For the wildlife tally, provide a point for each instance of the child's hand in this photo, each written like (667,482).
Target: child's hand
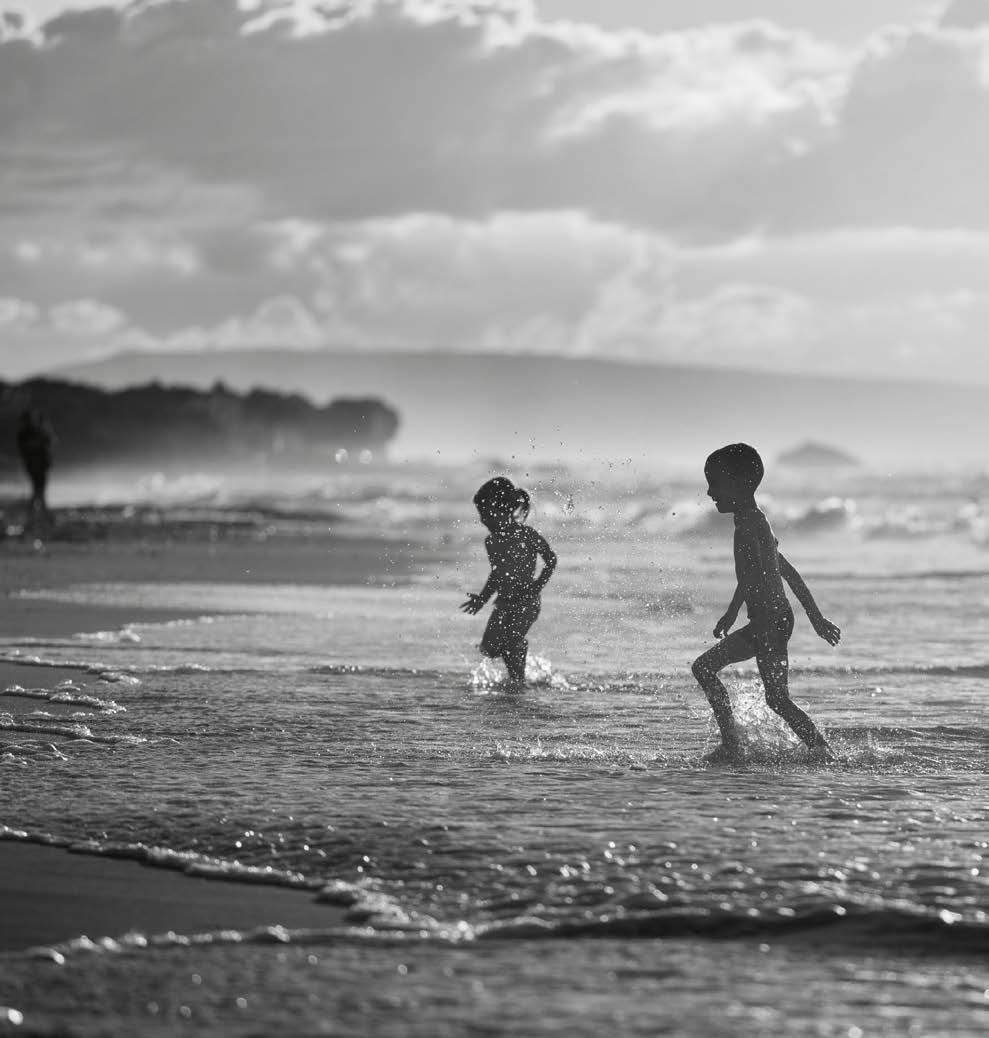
(826,629)
(474,604)
(725,624)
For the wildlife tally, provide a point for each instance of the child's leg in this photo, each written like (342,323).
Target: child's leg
(495,637)
(774,668)
(733,649)
(515,657)
(516,647)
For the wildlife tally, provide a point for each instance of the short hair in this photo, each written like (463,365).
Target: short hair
(739,461)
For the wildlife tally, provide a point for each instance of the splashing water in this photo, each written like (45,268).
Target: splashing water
(539,671)
(490,677)
(762,733)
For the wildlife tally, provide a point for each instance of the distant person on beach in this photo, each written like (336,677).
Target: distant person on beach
(733,474)
(513,550)
(35,444)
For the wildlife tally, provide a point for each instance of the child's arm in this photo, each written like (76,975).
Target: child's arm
(475,603)
(825,628)
(546,553)
(725,624)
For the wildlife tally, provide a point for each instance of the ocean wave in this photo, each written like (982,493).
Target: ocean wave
(833,513)
(373,912)
(866,733)
(485,677)
(846,923)
(979,669)
(694,520)
(101,671)
(68,731)
(126,675)
(120,674)
(368,908)
(902,928)
(68,694)
(189,862)
(123,636)
(22,754)
(915,523)
(368,670)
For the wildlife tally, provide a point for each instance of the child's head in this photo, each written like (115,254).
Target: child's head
(499,501)
(733,473)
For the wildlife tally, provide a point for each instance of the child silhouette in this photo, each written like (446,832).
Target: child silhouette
(733,474)
(513,549)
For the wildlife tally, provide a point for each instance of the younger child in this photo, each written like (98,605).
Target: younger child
(733,473)
(513,549)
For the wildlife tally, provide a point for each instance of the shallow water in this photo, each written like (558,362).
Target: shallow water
(560,860)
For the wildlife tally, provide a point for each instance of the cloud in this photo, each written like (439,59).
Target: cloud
(556,283)
(910,140)
(281,321)
(854,265)
(17,313)
(86,317)
(965,14)
(464,175)
(381,107)
(542,282)
(738,323)
(119,253)
(474,284)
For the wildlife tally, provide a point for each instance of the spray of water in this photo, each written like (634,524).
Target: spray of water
(762,733)
(490,678)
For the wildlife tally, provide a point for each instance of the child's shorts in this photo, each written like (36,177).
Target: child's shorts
(775,639)
(509,624)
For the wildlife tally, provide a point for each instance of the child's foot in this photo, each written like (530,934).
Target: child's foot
(514,684)
(822,754)
(723,754)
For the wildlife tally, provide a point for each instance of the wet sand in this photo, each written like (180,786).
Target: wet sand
(27,677)
(201,552)
(49,895)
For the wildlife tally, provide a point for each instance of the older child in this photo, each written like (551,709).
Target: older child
(513,549)
(733,474)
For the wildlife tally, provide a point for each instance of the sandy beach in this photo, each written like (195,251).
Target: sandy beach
(49,895)
(98,545)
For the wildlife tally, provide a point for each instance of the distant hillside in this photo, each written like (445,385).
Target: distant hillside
(172,425)
(457,404)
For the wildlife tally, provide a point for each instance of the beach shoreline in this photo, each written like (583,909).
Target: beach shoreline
(97,546)
(49,895)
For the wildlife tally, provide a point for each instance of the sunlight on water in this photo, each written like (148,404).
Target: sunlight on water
(762,733)
(349,740)
(490,677)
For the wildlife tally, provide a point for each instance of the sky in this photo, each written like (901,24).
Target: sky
(763,184)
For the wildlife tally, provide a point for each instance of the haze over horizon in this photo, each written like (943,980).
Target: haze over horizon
(527,408)
(749,184)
